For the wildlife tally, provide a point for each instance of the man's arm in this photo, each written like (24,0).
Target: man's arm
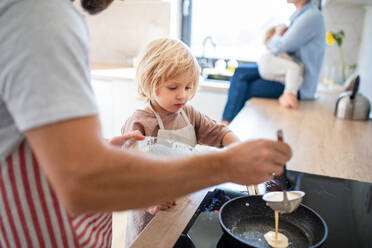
(90,175)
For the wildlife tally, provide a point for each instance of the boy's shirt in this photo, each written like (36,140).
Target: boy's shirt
(207,131)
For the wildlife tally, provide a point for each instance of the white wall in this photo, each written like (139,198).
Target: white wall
(365,60)
(122,30)
(350,18)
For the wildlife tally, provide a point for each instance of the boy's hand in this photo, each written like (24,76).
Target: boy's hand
(281,30)
(154,209)
(288,100)
(120,140)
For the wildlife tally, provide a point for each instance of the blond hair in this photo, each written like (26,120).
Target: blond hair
(269,33)
(164,59)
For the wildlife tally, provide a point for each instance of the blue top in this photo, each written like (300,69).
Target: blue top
(305,41)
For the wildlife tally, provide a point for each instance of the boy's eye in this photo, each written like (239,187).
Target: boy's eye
(172,88)
(188,88)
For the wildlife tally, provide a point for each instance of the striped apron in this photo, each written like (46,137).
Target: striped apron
(32,216)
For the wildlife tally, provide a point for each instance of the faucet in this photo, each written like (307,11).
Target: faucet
(204,43)
(203,61)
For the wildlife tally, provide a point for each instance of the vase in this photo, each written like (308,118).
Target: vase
(342,77)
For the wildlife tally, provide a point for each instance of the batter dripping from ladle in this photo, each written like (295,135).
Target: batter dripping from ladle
(276,239)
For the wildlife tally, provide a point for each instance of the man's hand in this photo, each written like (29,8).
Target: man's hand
(120,140)
(288,100)
(154,209)
(253,162)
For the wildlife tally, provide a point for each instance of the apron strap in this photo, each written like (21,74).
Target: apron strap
(160,122)
(185,117)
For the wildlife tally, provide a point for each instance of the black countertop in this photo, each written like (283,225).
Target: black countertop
(345,205)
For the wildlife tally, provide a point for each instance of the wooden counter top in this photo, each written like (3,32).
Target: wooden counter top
(166,227)
(321,143)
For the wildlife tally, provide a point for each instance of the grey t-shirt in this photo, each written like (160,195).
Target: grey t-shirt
(44,67)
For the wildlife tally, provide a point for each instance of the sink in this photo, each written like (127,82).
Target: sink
(218,77)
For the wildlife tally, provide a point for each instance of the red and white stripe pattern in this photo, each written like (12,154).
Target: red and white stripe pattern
(32,216)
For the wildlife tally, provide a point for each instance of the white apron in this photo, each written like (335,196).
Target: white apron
(138,219)
(184,135)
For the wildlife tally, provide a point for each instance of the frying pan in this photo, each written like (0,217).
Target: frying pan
(246,219)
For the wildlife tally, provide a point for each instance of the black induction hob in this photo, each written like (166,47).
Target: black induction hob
(345,205)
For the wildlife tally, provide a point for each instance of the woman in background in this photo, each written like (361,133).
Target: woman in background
(304,41)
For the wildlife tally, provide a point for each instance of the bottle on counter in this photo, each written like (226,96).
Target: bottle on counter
(231,65)
(220,66)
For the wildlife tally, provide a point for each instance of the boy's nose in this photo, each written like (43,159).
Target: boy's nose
(181,94)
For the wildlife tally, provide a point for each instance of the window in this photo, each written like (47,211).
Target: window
(231,28)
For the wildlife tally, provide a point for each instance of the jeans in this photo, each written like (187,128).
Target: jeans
(245,84)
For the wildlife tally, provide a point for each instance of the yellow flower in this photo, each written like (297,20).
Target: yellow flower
(330,38)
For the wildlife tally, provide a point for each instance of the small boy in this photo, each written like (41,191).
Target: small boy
(168,77)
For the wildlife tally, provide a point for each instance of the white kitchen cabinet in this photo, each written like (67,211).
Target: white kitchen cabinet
(210,102)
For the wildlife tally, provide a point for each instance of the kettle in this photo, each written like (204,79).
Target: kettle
(352,105)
